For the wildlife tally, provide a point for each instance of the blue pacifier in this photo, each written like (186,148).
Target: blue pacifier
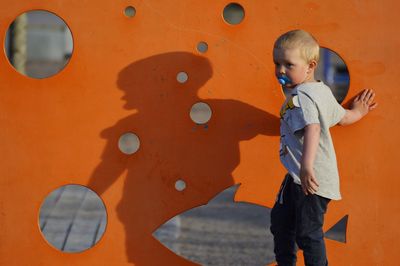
(284,80)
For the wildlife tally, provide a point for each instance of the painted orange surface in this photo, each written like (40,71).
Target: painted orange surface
(122,78)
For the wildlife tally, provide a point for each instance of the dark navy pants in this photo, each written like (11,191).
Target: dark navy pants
(298,218)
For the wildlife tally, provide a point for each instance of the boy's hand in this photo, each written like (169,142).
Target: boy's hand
(363,103)
(308,182)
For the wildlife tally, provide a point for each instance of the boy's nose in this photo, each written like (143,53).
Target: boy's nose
(281,70)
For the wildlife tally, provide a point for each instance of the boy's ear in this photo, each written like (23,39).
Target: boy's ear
(312,65)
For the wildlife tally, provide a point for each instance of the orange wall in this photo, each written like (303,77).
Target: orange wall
(64,129)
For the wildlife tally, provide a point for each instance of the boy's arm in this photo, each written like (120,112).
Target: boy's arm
(361,105)
(309,183)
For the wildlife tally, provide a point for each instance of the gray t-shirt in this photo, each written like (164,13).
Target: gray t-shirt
(311,103)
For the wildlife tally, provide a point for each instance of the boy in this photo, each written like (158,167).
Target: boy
(307,150)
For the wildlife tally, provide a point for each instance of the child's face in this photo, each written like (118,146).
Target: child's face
(289,62)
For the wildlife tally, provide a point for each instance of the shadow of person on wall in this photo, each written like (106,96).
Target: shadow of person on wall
(172,147)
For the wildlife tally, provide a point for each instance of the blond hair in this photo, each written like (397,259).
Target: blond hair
(308,45)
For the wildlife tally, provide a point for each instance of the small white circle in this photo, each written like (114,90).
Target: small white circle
(200,113)
(202,47)
(182,77)
(180,185)
(130,11)
(128,143)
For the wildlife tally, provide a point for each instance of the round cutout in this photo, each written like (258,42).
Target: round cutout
(72,218)
(200,113)
(38,44)
(202,47)
(130,11)
(233,14)
(180,185)
(129,143)
(333,71)
(182,77)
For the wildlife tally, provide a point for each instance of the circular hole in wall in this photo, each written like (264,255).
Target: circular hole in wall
(182,77)
(130,11)
(72,218)
(233,13)
(200,113)
(180,185)
(38,44)
(202,47)
(129,143)
(333,71)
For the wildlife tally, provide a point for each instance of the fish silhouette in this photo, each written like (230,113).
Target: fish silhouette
(225,232)
(222,232)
